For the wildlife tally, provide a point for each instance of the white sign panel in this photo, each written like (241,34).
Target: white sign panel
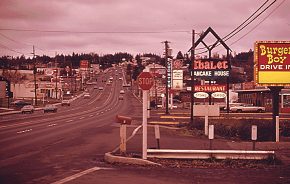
(177,74)
(218,95)
(177,84)
(211,132)
(206,110)
(254,132)
(200,95)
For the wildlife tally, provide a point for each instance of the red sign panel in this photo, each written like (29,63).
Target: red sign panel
(145,80)
(210,88)
(84,64)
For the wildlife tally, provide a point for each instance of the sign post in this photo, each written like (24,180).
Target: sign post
(145,82)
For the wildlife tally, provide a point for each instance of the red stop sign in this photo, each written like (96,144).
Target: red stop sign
(145,80)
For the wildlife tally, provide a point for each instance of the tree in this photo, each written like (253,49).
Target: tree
(179,55)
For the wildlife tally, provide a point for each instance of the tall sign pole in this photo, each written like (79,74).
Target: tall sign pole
(192,76)
(145,82)
(166,77)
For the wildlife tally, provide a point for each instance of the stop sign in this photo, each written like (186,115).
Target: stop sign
(145,80)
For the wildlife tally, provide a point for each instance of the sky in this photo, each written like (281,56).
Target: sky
(134,26)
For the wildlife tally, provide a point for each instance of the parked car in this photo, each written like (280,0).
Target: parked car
(20,103)
(247,108)
(122,92)
(95,87)
(101,88)
(65,102)
(50,108)
(27,109)
(87,95)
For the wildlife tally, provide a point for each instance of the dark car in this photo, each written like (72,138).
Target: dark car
(20,103)
(50,108)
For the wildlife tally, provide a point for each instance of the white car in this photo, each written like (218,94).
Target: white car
(87,95)
(27,109)
(122,92)
(247,108)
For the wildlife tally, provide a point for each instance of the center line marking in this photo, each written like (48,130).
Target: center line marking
(75,176)
(81,117)
(24,131)
(69,120)
(91,115)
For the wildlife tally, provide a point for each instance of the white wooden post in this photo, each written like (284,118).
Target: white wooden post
(277,129)
(144,147)
(206,125)
(123,138)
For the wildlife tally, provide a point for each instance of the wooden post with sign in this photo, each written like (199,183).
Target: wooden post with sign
(145,82)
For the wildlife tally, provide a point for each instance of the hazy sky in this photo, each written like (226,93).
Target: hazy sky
(134,26)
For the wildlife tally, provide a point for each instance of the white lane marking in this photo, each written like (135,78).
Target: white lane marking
(69,120)
(24,131)
(91,115)
(81,117)
(52,125)
(75,176)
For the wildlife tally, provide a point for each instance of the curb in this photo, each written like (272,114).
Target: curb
(126,160)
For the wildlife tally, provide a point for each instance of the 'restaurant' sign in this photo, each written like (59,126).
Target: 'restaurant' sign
(210,88)
(211,68)
(272,63)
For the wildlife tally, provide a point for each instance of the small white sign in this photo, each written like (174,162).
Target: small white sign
(211,132)
(218,95)
(200,95)
(254,132)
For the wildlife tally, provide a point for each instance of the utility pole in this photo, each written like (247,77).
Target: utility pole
(166,77)
(192,76)
(56,73)
(34,73)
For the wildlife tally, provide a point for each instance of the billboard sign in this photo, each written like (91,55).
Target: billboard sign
(272,63)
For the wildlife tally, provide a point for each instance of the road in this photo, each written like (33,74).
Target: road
(50,147)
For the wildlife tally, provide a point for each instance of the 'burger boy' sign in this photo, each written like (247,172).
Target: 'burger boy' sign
(272,63)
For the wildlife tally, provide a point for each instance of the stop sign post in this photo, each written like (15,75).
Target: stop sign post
(145,81)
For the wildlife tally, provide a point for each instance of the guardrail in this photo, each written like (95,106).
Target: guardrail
(206,154)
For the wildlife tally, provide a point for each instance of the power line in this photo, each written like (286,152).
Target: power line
(251,20)
(5,47)
(258,23)
(246,19)
(93,32)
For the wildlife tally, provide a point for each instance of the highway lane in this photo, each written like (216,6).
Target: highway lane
(28,144)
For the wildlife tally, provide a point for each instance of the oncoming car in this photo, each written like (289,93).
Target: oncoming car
(50,108)
(27,109)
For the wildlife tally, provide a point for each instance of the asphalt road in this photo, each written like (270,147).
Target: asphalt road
(50,147)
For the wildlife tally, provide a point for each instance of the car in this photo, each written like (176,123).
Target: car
(247,108)
(27,109)
(20,103)
(101,88)
(50,108)
(65,102)
(120,78)
(87,95)
(95,87)
(122,92)
(121,97)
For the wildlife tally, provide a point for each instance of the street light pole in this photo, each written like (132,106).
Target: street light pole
(34,73)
